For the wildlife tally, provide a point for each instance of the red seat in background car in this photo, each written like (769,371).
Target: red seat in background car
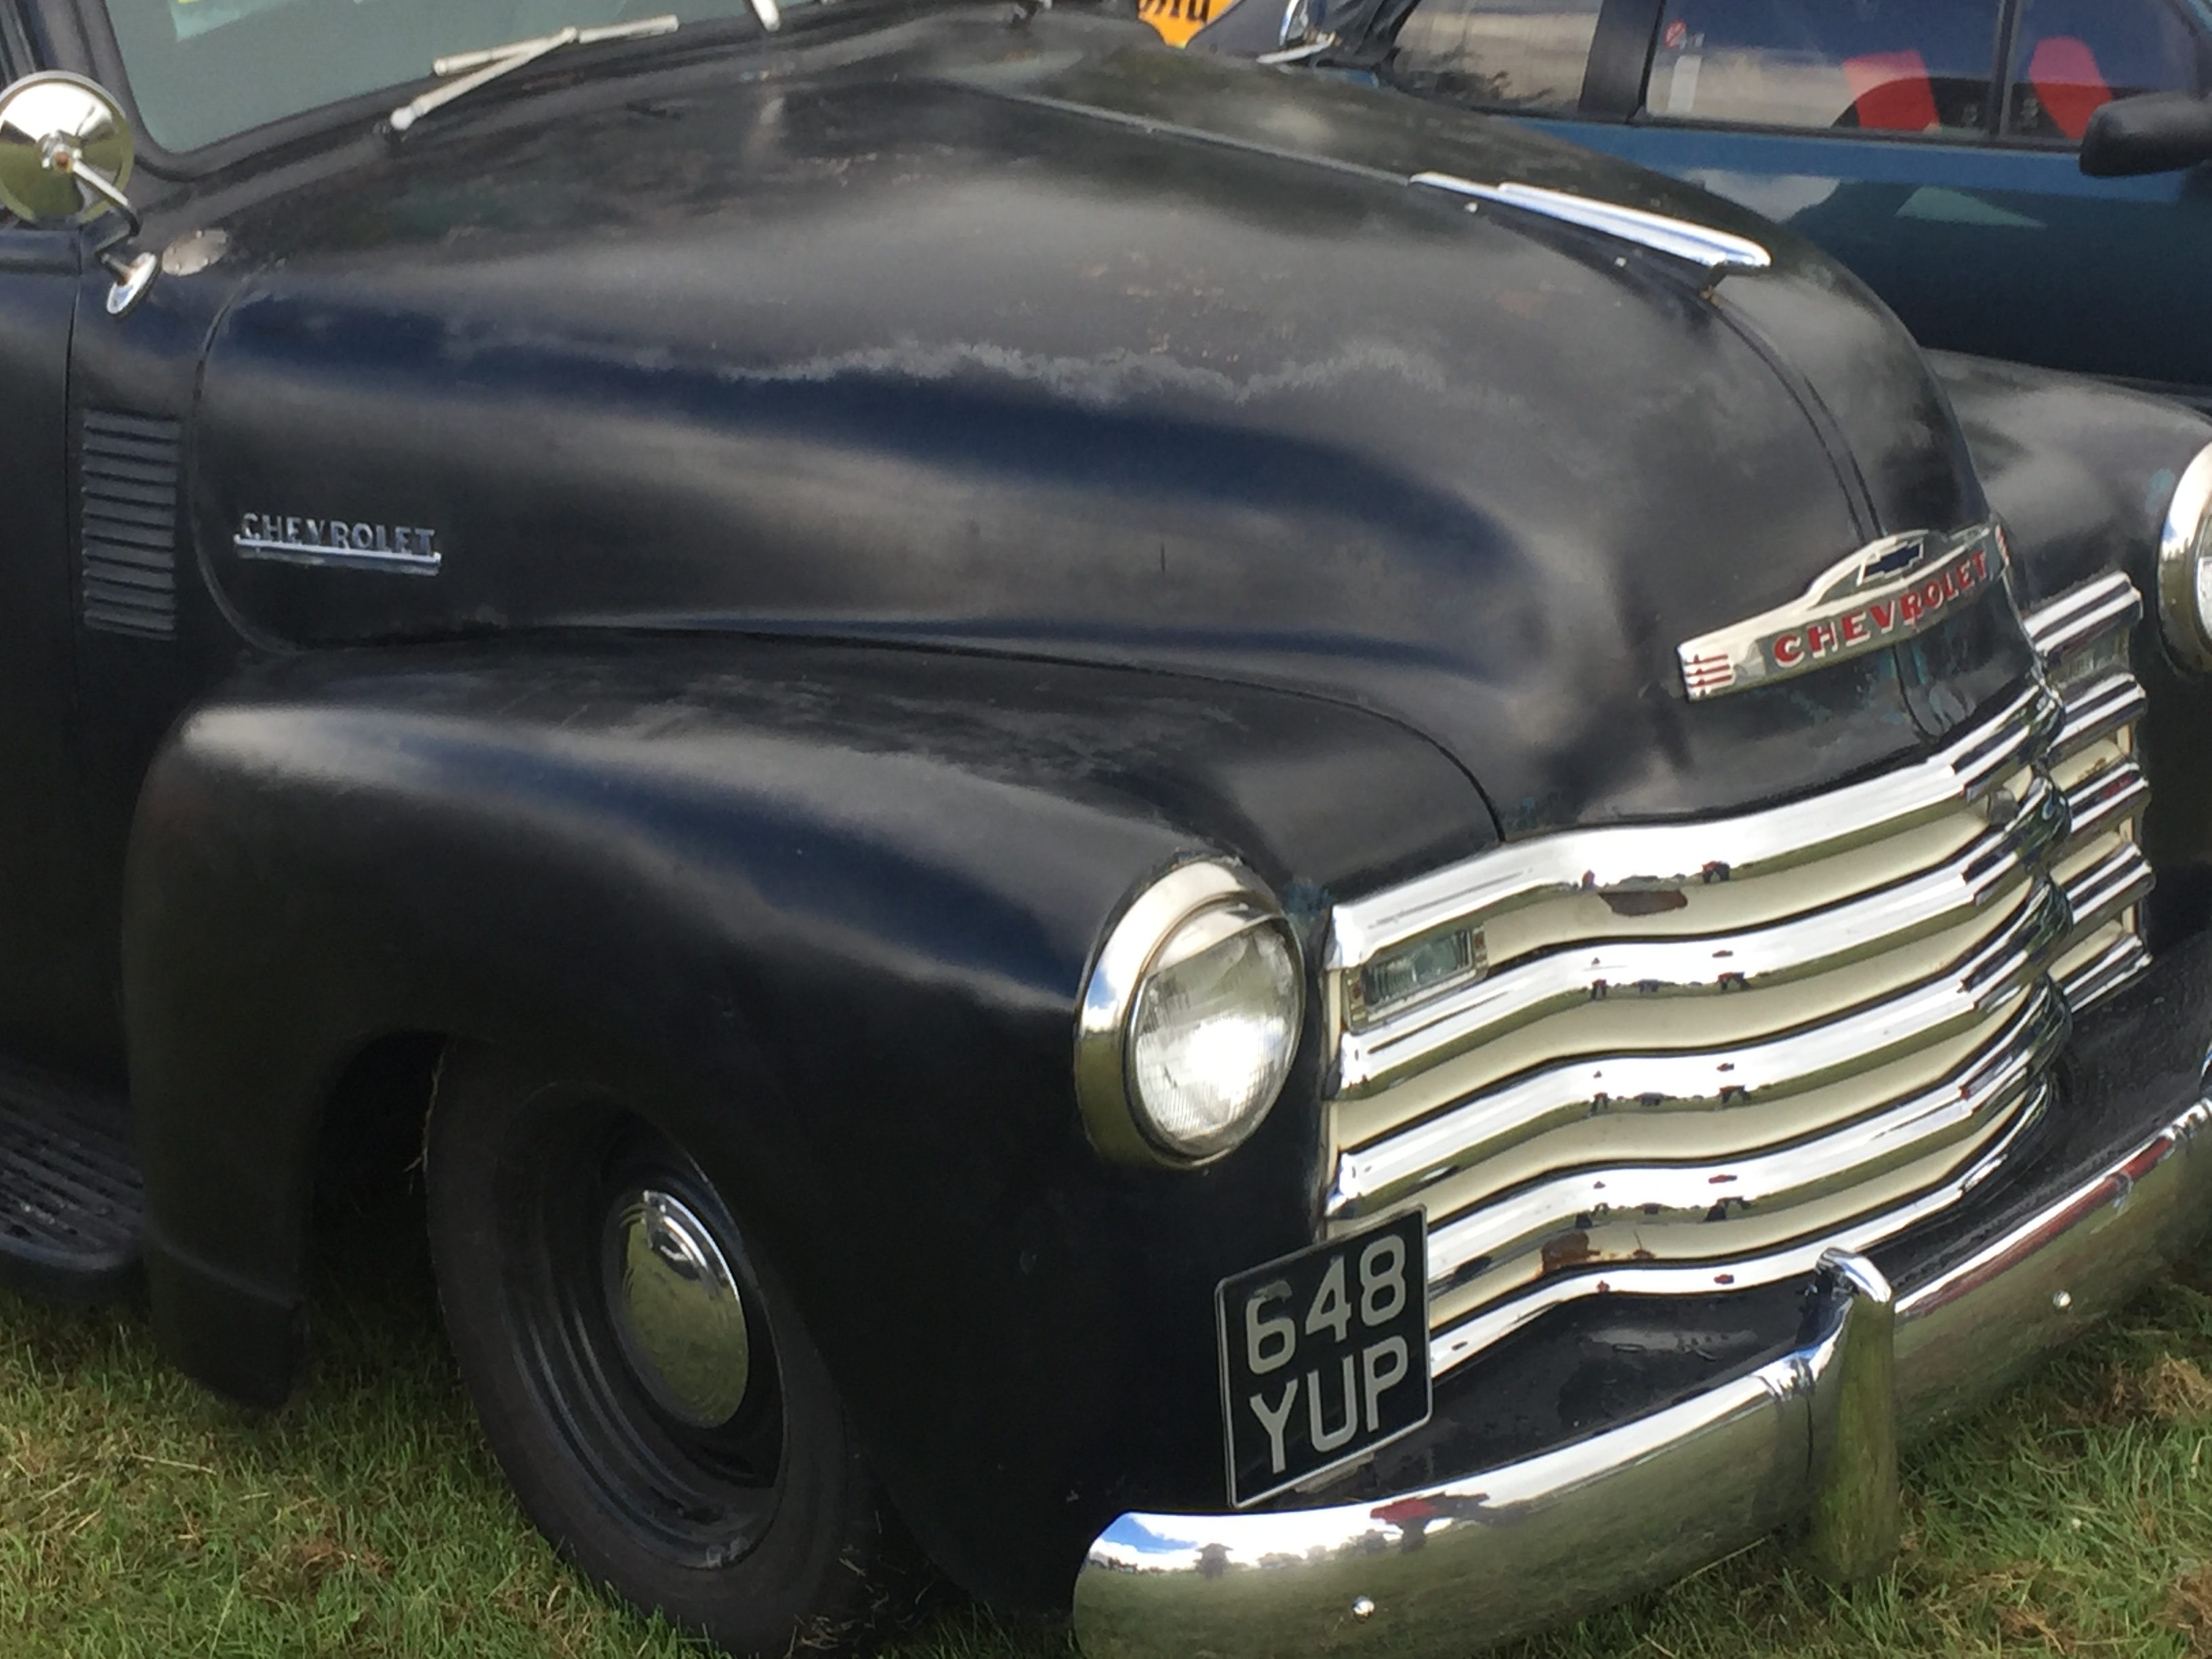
(1892,92)
(2068,83)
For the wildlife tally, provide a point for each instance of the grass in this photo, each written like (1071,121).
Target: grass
(139,1516)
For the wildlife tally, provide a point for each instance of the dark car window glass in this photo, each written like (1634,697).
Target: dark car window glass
(1861,65)
(1518,54)
(202,71)
(2074,57)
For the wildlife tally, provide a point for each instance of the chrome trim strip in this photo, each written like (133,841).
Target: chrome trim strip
(1514,1548)
(2082,615)
(1681,239)
(1645,858)
(279,552)
(1438,1149)
(1462,1342)
(2104,801)
(2184,566)
(2122,878)
(2097,710)
(1701,1199)
(1995,868)
(2118,966)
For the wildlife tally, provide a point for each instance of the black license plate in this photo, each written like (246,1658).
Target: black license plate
(1324,1356)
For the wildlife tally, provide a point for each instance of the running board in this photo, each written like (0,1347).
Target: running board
(72,1209)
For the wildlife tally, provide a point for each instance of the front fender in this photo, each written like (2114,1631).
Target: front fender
(2082,473)
(828,913)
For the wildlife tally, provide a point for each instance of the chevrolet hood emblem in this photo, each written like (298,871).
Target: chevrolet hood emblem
(1879,596)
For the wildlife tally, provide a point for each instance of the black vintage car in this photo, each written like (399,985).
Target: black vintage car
(1308,874)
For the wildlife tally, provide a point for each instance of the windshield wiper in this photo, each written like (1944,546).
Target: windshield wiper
(478,69)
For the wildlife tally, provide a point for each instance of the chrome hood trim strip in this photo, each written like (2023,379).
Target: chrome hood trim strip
(1717,250)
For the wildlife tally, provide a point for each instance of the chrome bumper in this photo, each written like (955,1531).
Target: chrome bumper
(1808,1438)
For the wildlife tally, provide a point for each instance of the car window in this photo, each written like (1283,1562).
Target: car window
(1517,54)
(2074,57)
(1859,65)
(202,70)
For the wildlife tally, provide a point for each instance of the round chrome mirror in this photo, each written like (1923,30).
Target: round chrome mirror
(54,130)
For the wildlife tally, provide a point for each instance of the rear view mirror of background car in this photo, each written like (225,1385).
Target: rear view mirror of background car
(2158,132)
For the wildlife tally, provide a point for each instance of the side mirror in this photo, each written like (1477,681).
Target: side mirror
(2158,132)
(65,155)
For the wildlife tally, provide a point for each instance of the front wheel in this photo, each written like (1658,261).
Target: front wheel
(640,1371)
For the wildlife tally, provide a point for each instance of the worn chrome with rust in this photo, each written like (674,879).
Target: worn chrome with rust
(1702,1055)
(1810,1436)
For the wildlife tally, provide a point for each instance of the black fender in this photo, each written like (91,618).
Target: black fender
(826,912)
(2082,472)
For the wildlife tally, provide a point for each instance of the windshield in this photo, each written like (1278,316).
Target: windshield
(202,71)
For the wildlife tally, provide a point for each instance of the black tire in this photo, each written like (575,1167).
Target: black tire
(766,1533)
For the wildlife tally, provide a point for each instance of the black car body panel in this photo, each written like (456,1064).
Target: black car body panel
(832,906)
(895,490)
(827,417)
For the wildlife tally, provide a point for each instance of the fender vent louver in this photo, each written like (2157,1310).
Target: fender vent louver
(128,529)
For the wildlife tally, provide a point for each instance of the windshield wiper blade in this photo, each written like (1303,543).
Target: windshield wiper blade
(477,69)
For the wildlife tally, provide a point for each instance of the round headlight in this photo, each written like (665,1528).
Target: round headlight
(2184,567)
(1190,1021)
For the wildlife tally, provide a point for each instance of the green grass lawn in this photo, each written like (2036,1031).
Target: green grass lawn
(139,1515)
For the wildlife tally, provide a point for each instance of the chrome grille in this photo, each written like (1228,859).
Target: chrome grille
(1694,1056)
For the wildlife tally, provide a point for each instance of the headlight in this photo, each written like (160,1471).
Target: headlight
(1190,1021)
(2184,567)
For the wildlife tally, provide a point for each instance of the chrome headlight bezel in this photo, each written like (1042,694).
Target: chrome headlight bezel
(1201,904)
(2184,568)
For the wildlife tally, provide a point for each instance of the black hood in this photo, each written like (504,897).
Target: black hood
(1043,339)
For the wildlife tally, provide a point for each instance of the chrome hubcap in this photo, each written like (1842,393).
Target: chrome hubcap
(677,1308)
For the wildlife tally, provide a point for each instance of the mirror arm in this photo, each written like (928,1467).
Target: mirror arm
(132,277)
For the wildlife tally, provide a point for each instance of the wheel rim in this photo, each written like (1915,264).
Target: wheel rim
(639,1324)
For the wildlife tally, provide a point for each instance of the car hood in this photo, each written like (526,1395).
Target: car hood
(1046,339)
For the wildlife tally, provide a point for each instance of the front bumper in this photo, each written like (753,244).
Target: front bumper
(1809,1438)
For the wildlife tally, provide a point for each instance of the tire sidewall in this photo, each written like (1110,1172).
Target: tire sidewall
(809,1575)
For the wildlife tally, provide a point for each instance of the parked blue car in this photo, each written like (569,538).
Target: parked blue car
(1942,148)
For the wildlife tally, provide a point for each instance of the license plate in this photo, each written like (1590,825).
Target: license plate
(1324,1356)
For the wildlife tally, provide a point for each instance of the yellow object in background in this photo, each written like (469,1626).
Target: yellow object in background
(1178,19)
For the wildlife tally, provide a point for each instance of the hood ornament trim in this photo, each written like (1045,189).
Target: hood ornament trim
(1881,595)
(1717,250)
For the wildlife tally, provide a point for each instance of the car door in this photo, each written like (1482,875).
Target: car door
(1857,122)
(52,975)
(1929,144)
(2120,284)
